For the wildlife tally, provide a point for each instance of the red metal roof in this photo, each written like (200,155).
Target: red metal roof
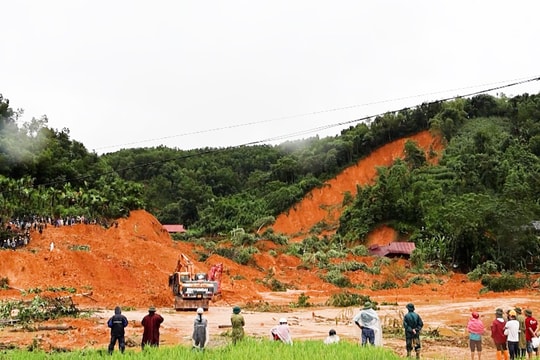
(394,248)
(174,228)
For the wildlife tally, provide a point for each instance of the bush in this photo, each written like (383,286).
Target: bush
(360,250)
(337,278)
(385,285)
(488,267)
(505,282)
(303,301)
(4,283)
(346,299)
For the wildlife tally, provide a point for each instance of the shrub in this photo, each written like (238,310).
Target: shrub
(488,267)
(360,250)
(385,285)
(505,282)
(274,284)
(337,278)
(4,283)
(303,301)
(346,299)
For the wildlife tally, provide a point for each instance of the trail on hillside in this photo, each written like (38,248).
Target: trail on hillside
(325,203)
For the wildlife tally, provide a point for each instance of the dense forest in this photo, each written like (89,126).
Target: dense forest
(479,203)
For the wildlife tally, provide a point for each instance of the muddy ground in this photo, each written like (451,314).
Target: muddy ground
(129,265)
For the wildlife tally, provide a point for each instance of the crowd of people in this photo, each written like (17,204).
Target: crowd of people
(514,334)
(16,232)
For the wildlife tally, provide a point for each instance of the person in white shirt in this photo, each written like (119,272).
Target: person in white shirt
(332,337)
(511,330)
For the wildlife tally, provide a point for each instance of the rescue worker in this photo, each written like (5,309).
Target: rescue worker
(200,330)
(412,322)
(237,322)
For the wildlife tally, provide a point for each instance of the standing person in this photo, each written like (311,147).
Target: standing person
(522,341)
(498,336)
(200,330)
(511,330)
(413,324)
(281,332)
(476,329)
(237,322)
(117,323)
(370,325)
(531,326)
(332,337)
(151,324)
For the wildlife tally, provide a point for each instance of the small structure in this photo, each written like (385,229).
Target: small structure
(174,229)
(394,249)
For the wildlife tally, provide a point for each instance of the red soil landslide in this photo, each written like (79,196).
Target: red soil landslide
(129,265)
(325,203)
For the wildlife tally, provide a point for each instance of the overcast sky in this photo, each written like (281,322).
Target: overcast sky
(191,74)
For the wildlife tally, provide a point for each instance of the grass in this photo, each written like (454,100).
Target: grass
(248,349)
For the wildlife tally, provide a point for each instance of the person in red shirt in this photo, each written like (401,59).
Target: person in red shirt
(497,334)
(531,326)
(151,324)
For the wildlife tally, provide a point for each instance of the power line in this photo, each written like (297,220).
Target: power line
(302,132)
(349,107)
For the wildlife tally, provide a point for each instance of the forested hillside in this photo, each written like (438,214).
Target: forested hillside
(477,204)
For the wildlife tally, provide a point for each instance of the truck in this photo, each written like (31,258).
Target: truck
(193,289)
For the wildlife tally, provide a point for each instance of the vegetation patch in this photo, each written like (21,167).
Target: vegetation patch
(79,247)
(346,299)
(505,282)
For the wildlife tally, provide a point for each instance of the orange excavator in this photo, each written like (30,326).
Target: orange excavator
(193,289)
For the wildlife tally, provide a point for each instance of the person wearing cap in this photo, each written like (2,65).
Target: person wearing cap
(511,330)
(117,323)
(413,324)
(531,328)
(151,323)
(200,330)
(281,332)
(475,329)
(332,337)
(498,336)
(370,325)
(237,322)
(522,346)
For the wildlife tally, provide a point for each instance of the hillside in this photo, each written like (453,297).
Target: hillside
(129,264)
(325,204)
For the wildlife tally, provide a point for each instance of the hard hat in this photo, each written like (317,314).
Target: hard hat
(283,321)
(200,311)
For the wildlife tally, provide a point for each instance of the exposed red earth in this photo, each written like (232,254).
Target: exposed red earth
(129,265)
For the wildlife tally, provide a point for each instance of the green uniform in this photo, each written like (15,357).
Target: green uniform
(237,322)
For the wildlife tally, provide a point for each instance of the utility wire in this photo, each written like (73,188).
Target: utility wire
(349,107)
(303,132)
